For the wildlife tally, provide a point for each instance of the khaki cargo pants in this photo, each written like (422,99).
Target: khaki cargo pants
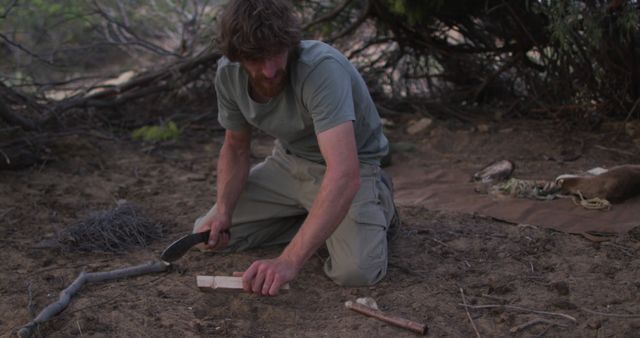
(276,200)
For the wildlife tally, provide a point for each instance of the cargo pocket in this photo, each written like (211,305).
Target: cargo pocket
(370,234)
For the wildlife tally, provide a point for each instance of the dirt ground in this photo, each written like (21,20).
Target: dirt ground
(531,281)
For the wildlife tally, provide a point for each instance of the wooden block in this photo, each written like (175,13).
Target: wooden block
(224,283)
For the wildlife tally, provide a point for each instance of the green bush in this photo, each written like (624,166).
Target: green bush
(164,132)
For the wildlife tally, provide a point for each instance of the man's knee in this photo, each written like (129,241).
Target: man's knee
(356,274)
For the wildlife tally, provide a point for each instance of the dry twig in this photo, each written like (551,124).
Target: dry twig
(523,326)
(617,315)
(464,301)
(519,308)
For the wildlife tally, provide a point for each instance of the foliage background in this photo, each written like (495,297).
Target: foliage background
(567,59)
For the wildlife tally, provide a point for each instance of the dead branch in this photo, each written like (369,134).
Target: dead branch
(7,96)
(329,16)
(533,322)
(13,119)
(486,81)
(352,27)
(377,314)
(617,315)
(519,308)
(25,50)
(8,9)
(30,305)
(92,277)
(122,33)
(145,84)
(464,301)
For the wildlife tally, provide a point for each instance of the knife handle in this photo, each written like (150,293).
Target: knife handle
(205,239)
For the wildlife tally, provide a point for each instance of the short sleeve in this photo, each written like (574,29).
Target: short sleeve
(229,114)
(328,96)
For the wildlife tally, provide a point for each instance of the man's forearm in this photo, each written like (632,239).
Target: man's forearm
(329,209)
(232,172)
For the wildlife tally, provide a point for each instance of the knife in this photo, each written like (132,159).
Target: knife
(178,248)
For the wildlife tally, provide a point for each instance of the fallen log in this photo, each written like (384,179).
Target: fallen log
(167,78)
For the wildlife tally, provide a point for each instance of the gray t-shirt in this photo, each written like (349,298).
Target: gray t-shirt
(324,90)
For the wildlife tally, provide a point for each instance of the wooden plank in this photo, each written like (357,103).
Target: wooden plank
(224,283)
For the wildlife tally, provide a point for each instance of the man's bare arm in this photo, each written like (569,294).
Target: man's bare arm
(339,186)
(232,173)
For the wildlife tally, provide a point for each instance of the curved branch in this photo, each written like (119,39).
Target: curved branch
(363,16)
(25,50)
(126,35)
(92,277)
(368,44)
(335,12)
(160,80)
(14,119)
(8,9)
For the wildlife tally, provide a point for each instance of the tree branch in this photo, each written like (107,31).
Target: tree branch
(128,35)
(161,80)
(8,9)
(25,50)
(92,277)
(363,16)
(14,119)
(335,12)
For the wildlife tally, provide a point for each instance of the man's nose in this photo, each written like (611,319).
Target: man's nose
(269,69)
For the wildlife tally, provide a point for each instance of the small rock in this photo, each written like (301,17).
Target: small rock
(483,128)
(420,125)
(387,123)
(368,301)
(633,128)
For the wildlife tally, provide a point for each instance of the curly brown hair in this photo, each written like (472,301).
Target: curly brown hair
(257,29)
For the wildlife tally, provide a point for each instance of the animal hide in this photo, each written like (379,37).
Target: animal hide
(615,185)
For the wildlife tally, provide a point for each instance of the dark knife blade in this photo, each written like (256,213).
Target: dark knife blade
(178,248)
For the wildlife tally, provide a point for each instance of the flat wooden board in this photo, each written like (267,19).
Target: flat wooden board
(224,283)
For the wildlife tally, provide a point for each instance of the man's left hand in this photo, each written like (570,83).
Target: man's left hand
(265,277)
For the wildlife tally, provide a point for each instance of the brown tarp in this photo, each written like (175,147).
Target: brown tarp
(452,190)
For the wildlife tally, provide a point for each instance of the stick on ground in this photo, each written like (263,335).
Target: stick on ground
(519,308)
(401,322)
(92,277)
(464,301)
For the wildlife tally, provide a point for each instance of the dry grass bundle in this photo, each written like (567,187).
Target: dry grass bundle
(114,230)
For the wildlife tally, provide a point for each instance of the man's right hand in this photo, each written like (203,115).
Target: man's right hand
(233,170)
(219,237)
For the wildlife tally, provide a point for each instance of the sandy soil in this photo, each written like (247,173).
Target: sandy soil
(516,272)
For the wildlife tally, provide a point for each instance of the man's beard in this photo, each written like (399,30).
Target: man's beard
(269,88)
